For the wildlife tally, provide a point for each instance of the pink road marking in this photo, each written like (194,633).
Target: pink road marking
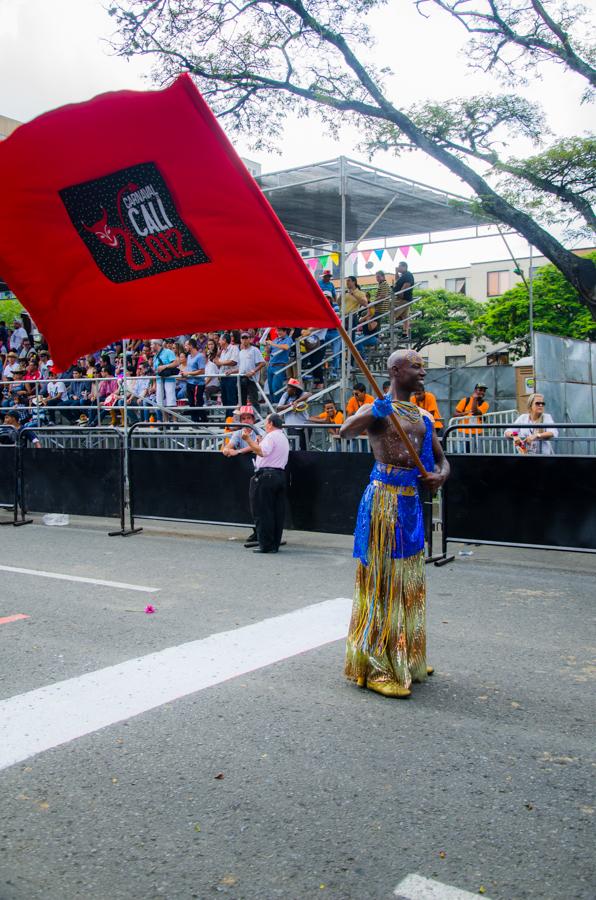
(14,618)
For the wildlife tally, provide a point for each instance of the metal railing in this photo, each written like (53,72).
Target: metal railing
(387,322)
(490,439)
(95,409)
(187,437)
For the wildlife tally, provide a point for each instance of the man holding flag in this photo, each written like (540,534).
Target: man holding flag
(386,648)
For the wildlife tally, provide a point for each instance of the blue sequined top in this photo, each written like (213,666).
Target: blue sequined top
(409,527)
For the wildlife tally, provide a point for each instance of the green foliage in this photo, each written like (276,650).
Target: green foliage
(472,123)
(9,309)
(260,62)
(557,310)
(556,185)
(445,317)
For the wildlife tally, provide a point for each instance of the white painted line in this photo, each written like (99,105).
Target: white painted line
(415,887)
(122,585)
(53,715)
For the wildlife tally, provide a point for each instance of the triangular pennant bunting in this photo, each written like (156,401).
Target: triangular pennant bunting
(418,248)
(405,250)
(392,251)
(379,254)
(324,260)
(366,255)
(312,264)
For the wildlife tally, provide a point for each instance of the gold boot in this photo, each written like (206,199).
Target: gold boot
(388,689)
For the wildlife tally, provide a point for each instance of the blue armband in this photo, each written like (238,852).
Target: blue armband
(382,408)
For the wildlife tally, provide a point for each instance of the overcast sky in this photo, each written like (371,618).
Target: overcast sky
(54,52)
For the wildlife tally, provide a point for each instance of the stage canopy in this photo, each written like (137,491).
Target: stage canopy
(308,201)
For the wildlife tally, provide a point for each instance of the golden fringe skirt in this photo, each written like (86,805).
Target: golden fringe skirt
(387,636)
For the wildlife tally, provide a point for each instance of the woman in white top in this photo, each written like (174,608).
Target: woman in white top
(212,388)
(535,436)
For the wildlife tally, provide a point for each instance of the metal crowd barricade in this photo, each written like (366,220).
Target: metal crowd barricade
(461,438)
(117,443)
(12,475)
(538,501)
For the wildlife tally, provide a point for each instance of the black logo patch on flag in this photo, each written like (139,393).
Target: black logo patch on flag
(130,224)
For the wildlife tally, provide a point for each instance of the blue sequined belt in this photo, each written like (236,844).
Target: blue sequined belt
(409,525)
(394,475)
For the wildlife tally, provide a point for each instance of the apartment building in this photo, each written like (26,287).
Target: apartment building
(481,281)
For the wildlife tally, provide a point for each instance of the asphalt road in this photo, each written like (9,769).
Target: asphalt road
(288,782)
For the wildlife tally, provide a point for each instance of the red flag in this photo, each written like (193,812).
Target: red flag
(131,215)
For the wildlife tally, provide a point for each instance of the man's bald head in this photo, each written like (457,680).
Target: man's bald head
(399,357)
(406,370)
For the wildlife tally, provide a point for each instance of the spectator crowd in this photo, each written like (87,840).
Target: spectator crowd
(279,366)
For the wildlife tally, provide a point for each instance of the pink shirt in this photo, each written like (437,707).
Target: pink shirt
(276,449)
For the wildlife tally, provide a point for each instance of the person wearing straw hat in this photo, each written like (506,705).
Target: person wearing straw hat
(294,406)
(386,646)
(237,446)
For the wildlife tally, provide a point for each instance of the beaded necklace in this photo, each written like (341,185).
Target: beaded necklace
(408,410)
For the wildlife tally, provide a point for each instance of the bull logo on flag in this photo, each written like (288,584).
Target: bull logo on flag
(130,224)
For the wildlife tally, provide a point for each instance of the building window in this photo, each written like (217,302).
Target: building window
(422,285)
(455,285)
(497,283)
(454,362)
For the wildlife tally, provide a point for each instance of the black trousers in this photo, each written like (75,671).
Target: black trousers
(249,391)
(229,394)
(316,363)
(267,496)
(195,394)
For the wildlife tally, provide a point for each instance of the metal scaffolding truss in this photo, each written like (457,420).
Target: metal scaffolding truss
(342,201)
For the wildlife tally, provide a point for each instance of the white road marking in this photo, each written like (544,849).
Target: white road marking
(39,720)
(122,585)
(415,887)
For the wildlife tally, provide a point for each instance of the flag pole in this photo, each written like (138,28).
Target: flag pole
(377,390)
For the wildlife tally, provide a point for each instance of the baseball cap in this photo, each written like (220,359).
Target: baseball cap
(245,334)
(294,382)
(327,272)
(480,385)
(246,411)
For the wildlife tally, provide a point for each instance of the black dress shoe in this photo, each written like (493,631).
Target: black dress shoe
(252,537)
(252,543)
(261,550)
